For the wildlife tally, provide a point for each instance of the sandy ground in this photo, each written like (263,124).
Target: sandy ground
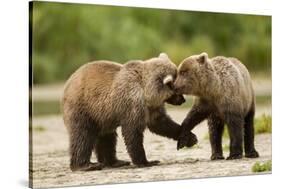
(50,157)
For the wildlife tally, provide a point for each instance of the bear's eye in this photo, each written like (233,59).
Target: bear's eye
(183,72)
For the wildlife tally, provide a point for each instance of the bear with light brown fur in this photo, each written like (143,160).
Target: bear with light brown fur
(224,95)
(102,95)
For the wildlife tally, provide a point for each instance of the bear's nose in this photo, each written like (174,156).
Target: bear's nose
(182,100)
(177,89)
(176,84)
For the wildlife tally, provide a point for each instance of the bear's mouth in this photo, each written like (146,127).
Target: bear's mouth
(176,99)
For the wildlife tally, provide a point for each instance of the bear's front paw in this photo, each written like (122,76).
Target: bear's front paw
(187,140)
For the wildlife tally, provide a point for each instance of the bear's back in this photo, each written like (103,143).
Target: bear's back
(89,88)
(92,78)
(235,81)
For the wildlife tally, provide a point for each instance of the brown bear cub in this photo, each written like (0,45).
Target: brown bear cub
(224,95)
(102,95)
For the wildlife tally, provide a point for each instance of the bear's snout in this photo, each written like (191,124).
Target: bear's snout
(178,90)
(178,87)
(183,86)
(176,99)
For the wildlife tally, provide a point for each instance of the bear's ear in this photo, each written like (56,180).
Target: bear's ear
(168,79)
(164,56)
(202,58)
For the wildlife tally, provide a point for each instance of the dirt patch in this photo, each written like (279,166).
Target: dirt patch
(51,169)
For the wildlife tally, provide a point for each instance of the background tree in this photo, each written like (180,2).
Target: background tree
(66,36)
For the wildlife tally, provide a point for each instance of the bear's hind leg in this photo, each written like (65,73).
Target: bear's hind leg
(235,124)
(105,150)
(249,134)
(82,139)
(216,127)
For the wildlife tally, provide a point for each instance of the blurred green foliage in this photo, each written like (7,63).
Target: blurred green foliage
(46,107)
(262,167)
(39,128)
(263,124)
(66,36)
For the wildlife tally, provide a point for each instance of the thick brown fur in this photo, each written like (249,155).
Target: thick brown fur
(102,95)
(224,95)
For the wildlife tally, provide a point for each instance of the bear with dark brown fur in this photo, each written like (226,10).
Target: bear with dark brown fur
(102,95)
(224,95)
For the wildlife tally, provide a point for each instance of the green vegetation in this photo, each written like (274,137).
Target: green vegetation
(225,133)
(263,124)
(262,167)
(66,36)
(263,100)
(46,107)
(39,128)
(225,147)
